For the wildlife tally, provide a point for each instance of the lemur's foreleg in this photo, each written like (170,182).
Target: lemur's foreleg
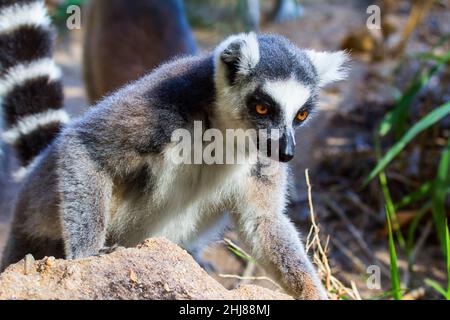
(274,242)
(84,222)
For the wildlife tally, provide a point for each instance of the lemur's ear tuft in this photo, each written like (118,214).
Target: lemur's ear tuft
(240,54)
(329,65)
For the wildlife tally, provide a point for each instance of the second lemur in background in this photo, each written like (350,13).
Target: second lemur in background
(125,39)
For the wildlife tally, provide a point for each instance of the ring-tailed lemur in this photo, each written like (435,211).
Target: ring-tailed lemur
(141,34)
(108,178)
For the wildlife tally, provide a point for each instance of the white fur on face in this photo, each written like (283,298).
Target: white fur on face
(17,15)
(329,65)
(289,94)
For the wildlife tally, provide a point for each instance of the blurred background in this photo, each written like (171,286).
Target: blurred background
(378,154)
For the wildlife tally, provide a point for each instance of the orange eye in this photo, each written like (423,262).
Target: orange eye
(301,116)
(262,109)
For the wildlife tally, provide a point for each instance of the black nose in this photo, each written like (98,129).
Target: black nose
(285,157)
(287,147)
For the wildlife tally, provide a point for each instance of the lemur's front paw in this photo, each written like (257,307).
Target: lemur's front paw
(111,249)
(307,287)
(314,294)
(311,294)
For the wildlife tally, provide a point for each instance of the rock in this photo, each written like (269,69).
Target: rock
(156,269)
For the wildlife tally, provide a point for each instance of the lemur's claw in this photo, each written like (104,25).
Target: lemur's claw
(111,249)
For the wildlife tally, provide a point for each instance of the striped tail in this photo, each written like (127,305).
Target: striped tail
(31,92)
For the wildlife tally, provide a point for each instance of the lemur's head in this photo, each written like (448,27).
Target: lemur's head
(266,82)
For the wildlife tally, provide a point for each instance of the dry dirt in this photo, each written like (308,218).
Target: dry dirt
(156,269)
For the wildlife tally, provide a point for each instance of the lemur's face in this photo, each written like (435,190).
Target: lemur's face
(265,82)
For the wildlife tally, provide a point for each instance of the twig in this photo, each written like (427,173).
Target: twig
(423,237)
(315,229)
(418,12)
(355,290)
(417,247)
(415,294)
(357,262)
(332,284)
(354,198)
(354,232)
(248,272)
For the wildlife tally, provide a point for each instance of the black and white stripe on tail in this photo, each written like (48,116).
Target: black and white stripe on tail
(31,93)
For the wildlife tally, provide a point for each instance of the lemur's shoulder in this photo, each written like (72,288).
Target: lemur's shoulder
(182,84)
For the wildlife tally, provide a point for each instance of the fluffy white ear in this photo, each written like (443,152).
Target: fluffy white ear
(239,53)
(329,65)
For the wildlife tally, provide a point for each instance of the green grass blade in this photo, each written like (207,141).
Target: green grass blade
(386,124)
(390,216)
(241,255)
(431,56)
(239,252)
(441,41)
(385,295)
(388,199)
(392,118)
(395,276)
(390,209)
(447,245)
(400,113)
(421,193)
(420,126)
(444,39)
(413,227)
(397,117)
(441,183)
(436,286)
